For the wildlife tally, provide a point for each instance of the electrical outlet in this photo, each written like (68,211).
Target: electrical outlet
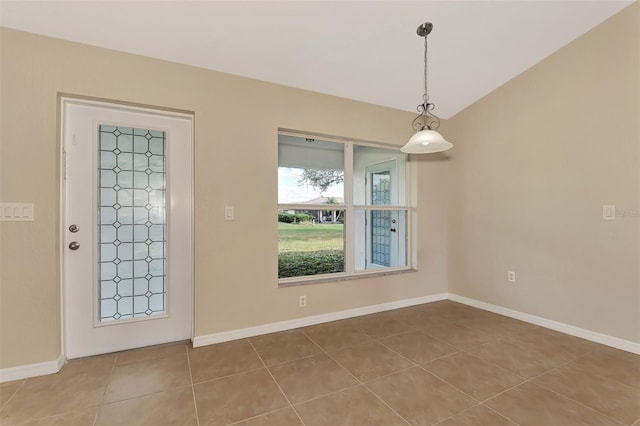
(511,276)
(302,302)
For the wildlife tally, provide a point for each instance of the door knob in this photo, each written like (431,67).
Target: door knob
(74,245)
(393,229)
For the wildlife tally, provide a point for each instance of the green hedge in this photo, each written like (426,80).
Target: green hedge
(294,218)
(301,263)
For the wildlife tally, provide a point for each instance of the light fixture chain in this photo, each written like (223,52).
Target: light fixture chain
(426,92)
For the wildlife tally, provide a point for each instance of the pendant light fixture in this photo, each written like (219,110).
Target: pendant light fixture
(426,140)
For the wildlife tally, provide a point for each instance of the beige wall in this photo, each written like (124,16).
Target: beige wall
(532,165)
(235,164)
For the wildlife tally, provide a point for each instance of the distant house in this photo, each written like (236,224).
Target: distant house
(325,216)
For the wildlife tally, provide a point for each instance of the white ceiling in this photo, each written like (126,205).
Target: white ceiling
(363,50)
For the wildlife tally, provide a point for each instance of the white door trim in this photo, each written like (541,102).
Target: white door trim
(70,99)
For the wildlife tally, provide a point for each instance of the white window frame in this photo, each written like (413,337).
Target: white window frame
(349,214)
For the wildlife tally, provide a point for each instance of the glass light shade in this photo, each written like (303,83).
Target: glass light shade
(426,142)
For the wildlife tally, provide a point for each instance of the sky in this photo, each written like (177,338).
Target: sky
(291,191)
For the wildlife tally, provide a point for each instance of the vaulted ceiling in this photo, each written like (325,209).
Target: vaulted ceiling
(362,50)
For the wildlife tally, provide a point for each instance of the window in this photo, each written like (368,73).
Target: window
(342,208)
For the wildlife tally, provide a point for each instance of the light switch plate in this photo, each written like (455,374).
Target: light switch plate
(16,212)
(609,212)
(229,213)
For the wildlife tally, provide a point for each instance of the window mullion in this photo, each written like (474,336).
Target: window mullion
(349,245)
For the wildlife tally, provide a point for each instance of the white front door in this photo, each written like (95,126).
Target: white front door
(127,228)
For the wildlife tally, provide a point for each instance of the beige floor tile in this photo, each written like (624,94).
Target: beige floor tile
(554,345)
(457,315)
(420,397)
(575,382)
(144,378)
(613,364)
(418,347)
(222,359)
(100,363)
(282,417)
(370,360)
(458,335)
(478,416)
(174,407)
(452,312)
(84,417)
(150,353)
(309,378)
(336,335)
(472,375)
(55,394)
(531,405)
(379,326)
(8,389)
(276,348)
(498,327)
(622,402)
(239,397)
(350,407)
(417,318)
(524,362)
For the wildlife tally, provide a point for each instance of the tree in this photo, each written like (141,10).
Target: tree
(321,179)
(336,214)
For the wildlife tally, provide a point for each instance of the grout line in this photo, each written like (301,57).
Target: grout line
(328,393)
(332,358)
(104,392)
(4,406)
(573,400)
(450,384)
(193,390)
(456,414)
(360,382)
(500,414)
(255,417)
(229,375)
(385,403)
(290,361)
(95,417)
(276,382)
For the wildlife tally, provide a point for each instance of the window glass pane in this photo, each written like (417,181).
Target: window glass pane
(380,239)
(310,171)
(310,242)
(378,176)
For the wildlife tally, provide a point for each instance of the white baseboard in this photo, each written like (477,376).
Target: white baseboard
(226,336)
(31,370)
(51,367)
(615,342)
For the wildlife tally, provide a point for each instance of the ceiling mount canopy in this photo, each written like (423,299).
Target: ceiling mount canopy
(427,139)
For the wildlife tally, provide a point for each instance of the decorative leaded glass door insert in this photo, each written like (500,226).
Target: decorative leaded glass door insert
(131,222)
(381,219)
(128,227)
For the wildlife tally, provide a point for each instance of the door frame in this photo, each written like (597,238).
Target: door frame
(62,100)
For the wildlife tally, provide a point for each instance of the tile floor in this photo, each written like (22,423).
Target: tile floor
(441,363)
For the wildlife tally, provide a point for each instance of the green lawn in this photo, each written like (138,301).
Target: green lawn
(306,249)
(308,237)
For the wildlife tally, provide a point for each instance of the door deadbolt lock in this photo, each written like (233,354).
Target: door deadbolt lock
(74,228)
(393,221)
(74,245)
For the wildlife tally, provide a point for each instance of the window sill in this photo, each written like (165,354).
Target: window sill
(330,279)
